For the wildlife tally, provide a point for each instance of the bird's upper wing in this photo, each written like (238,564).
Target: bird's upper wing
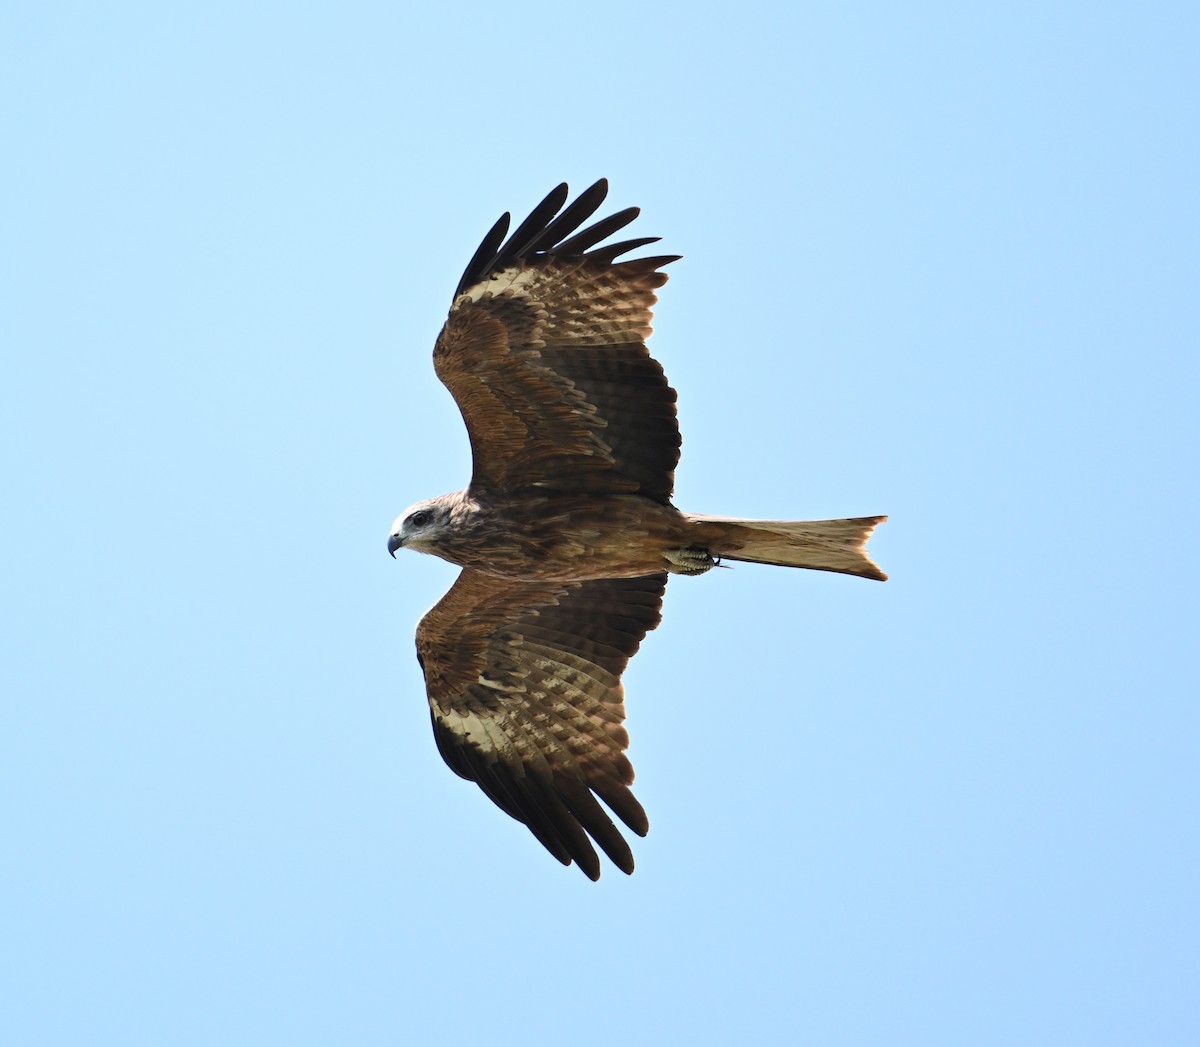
(524,683)
(545,352)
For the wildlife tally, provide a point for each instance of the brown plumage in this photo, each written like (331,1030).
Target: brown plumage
(566,534)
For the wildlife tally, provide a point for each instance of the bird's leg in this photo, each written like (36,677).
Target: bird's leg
(690,561)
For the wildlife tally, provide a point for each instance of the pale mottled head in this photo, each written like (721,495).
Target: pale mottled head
(420,526)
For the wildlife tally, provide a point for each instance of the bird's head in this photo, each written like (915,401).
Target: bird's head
(420,526)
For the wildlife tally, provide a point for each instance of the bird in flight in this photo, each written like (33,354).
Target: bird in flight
(566,534)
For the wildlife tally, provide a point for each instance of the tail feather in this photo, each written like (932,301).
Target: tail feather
(819,545)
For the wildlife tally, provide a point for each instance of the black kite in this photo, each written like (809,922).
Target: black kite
(566,534)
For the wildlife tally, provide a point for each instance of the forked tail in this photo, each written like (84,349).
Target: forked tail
(820,545)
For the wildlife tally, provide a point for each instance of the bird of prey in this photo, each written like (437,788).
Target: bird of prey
(566,534)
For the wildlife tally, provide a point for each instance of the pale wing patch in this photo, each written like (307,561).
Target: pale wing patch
(515,282)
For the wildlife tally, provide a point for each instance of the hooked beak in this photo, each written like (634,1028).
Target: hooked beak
(394,543)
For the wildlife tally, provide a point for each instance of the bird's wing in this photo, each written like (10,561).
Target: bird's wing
(524,683)
(545,352)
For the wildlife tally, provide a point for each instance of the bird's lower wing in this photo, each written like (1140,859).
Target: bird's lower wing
(525,694)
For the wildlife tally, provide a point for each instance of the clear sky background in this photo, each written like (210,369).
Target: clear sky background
(939,262)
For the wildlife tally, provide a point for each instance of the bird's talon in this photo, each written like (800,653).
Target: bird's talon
(689,561)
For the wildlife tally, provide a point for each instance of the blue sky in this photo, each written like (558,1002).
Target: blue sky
(939,262)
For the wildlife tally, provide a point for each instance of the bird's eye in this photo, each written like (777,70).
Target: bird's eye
(420,518)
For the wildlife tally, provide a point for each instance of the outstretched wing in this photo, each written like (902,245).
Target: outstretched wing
(524,683)
(545,352)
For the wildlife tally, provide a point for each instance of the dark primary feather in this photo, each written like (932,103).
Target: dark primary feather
(578,211)
(526,700)
(534,226)
(608,254)
(593,234)
(485,253)
(544,234)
